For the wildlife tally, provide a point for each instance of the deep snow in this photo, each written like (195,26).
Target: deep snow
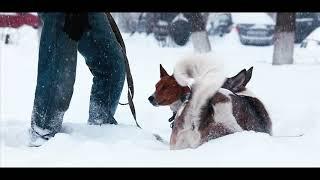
(290,93)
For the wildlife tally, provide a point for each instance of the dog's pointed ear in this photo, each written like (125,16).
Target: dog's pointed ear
(248,76)
(236,83)
(239,79)
(163,72)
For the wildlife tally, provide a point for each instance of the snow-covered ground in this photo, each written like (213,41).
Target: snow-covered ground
(290,93)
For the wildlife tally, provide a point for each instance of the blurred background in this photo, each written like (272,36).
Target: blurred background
(283,48)
(171,29)
(252,28)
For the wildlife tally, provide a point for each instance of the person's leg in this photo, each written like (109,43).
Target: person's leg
(105,60)
(56,77)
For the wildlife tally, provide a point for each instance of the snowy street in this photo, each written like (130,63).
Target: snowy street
(289,92)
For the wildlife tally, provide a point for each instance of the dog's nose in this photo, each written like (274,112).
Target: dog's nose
(151,99)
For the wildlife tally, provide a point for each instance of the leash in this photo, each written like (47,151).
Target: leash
(119,38)
(117,33)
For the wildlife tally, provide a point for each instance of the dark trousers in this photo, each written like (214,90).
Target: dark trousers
(57,72)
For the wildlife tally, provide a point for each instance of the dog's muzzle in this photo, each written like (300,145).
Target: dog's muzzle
(153,101)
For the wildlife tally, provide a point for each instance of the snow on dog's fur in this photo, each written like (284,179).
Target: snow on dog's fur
(227,110)
(217,106)
(204,74)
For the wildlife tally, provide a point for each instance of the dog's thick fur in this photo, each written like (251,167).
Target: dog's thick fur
(205,104)
(214,111)
(203,74)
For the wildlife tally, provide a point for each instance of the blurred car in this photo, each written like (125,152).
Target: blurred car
(219,23)
(161,31)
(147,22)
(305,23)
(254,28)
(312,40)
(142,23)
(166,25)
(16,20)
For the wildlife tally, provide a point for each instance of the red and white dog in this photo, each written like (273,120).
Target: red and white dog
(206,104)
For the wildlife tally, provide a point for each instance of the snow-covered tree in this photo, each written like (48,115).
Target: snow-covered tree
(284,39)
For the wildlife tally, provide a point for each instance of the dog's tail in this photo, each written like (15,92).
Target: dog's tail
(204,74)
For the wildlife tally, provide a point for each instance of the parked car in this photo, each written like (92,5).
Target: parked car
(142,23)
(16,20)
(254,28)
(312,40)
(161,32)
(305,23)
(147,22)
(219,24)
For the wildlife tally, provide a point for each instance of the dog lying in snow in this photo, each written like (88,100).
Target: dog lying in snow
(206,104)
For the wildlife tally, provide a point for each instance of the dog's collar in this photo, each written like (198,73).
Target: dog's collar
(186,94)
(176,105)
(185,97)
